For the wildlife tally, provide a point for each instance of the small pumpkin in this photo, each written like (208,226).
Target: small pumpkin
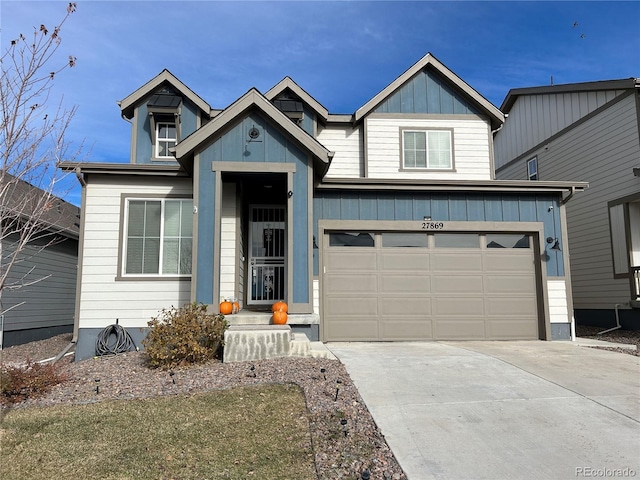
(226,308)
(236,307)
(279,306)
(279,317)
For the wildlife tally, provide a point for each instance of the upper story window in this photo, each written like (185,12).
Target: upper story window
(427,149)
(164,114)
(532,169)
(166,138)
(158,237)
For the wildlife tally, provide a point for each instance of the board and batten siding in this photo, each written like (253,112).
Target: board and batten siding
(49,301)
(103,299)
(471,148)
(346,142)
(602,151)
(534,118)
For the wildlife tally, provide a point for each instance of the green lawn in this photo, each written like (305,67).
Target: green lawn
(252,432)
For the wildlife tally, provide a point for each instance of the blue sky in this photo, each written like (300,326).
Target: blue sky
(342,53)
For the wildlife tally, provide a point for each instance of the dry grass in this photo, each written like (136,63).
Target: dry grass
(249,432)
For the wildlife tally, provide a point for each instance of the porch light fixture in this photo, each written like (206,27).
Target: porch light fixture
(556,243)
(426,218)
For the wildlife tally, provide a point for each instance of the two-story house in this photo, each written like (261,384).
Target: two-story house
(591,132)
(383,224)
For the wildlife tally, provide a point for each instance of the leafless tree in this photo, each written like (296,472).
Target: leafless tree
(32,143)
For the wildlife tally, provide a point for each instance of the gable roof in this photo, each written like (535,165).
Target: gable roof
(127,105)
(622,84)
(21,199)
(288,83)
(250,100)
(496,116)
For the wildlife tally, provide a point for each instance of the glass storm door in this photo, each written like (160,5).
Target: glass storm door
(266,254)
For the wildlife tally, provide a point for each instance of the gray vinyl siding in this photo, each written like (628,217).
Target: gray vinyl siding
(49,302)
(533,118)
(603,151)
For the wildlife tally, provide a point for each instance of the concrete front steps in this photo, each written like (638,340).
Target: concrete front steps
(251,336)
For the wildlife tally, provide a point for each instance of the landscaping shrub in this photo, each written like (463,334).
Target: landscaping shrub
(181,336)
(30,381)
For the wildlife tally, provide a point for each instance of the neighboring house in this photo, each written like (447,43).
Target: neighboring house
(588,132)
(384,224)
(39,297)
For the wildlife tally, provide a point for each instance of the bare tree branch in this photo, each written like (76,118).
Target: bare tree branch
(32,144)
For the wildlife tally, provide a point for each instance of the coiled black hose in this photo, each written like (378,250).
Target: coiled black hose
(123,341)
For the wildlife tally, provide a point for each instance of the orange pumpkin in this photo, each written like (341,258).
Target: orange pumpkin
(279,317)
(279,307)
(226,308)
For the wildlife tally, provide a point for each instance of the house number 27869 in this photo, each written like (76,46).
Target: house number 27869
(432,225)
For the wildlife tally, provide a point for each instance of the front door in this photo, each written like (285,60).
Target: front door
(266,254)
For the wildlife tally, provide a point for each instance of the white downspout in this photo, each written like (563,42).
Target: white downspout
(617,320)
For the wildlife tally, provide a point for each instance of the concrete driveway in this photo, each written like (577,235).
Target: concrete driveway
(501,410)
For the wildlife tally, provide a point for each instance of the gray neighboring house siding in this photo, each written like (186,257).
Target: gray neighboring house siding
(584,132)
(48,307)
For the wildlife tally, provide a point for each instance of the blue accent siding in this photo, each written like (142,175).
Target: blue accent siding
(144,144)
(142,124)
(206,238)
(188,119)
(458,209)
(493,209)
(439,208)
(475,208)
(301,240)
(308,120)
(426,92)
(406,206)
(272,147)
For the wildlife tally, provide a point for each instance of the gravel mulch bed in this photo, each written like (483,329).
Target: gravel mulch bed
(126,376)
(629,337)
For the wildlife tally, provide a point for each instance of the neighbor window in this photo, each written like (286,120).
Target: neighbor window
(532,169)
(427,149)
(166,138)
(159,237)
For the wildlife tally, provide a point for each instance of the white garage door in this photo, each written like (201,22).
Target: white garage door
(418,286)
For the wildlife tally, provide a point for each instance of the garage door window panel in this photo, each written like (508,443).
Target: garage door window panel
(507,240)
(351,239)
(457,240)
(404,240)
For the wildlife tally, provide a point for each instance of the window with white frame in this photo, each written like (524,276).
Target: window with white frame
(532,168)
(427,149)
(158,237)
(166,138)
